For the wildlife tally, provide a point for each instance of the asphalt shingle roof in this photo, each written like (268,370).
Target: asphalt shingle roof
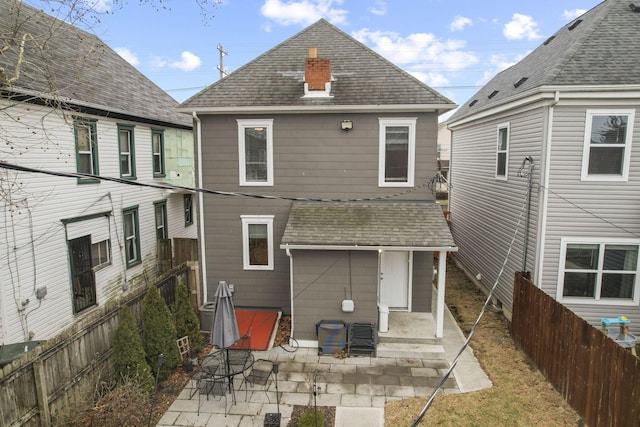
(75,68)
(601,47)
(380,223)
(361,77)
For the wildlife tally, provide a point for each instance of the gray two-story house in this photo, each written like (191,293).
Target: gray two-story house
(545,169)
(315,159)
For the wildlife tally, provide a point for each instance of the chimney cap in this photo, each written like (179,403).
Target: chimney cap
(313,52)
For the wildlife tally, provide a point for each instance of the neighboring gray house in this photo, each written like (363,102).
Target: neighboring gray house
(71,244)
(566,116)
(331,147)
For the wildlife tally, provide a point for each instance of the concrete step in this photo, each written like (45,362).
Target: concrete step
(384,338)
(411,351)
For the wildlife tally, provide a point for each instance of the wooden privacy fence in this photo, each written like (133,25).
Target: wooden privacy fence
(597,377)
(65,370)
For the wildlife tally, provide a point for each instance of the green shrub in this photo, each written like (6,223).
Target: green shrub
(128,358)
(158,333)
(187,322)
(308,419)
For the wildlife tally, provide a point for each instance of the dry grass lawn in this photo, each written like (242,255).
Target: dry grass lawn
(520,395)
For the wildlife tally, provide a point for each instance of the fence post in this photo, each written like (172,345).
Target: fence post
(42,394)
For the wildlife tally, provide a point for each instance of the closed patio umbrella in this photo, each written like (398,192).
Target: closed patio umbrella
(224,332)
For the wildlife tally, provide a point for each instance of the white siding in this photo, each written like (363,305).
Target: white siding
(34,253)
(586,208)
(485,212)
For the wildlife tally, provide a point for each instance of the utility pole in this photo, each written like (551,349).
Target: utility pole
(221,53)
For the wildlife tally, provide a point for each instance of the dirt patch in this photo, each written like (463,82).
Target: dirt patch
(520,395)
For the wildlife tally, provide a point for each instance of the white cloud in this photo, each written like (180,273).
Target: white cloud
(521,27)
(433,80)
(498,63)
(379,8)
(459,22)
(98,5)
(572,14)
(303,12)
(128,56)
(189,62)
(419,51)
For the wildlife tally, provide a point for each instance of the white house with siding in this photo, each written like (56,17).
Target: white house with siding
(563,124)
(81,138)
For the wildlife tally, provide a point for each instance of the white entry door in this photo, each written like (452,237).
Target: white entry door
(394,279)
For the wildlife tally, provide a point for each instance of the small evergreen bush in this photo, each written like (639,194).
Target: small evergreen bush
(128,358)
(159,334)
(187,322)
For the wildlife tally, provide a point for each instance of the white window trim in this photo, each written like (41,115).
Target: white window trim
(564,241)
(624,176)
(256,219)
(245,123)
(506,126)
(410,122)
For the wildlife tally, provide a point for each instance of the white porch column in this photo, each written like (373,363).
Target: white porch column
(442,273)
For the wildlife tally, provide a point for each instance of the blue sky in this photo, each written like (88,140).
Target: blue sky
(453,46)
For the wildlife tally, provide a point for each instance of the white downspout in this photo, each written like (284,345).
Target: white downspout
(203,257)
(291,288)
(544,185)
(442,273)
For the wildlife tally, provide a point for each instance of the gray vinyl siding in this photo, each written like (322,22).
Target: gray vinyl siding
(485,212)
(313,159)
(322,279)
(421,290)
(586,208)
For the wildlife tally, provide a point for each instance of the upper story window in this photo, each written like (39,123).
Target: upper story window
(157,150)
(160,209)
(86,148)
(127,152)
(255,149)
(188,209)
(607,145)
(131,236)
(599,271)
(257,242)
(502,152)
(397,152)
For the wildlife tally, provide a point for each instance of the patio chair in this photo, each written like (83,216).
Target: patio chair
(260,374)
(209,379)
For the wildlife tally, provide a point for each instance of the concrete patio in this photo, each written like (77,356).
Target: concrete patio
(358,387)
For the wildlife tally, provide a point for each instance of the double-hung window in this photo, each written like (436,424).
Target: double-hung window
(255,152)
(86,148)
(396,161)
(593,271)
(188,209)
(160,209)
(131,236)
(502,152)
(257,242)
(607,145)
(127,151)
(157,149)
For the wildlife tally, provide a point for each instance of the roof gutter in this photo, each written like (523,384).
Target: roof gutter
(289,247)
(616,93)
(306,109)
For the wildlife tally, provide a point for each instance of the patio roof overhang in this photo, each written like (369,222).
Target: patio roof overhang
(368,226)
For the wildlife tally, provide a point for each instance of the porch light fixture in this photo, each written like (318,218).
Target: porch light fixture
(346,125)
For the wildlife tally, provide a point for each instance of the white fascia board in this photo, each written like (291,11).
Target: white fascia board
(615,93)
(301,109)
(368,248)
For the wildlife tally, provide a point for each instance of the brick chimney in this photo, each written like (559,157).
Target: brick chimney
(317,71)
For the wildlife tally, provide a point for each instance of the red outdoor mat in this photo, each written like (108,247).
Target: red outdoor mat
(256,328)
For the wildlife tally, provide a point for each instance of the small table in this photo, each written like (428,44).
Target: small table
(226,364)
